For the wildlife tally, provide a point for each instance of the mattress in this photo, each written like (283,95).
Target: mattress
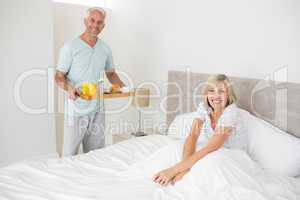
(95,175)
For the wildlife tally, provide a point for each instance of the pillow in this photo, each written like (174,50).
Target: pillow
(274,149)
(181,125)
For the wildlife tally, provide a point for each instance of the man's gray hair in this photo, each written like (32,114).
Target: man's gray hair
(101,10)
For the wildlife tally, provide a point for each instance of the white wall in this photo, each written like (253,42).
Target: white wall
(247,38)
(237,37)
(26,39)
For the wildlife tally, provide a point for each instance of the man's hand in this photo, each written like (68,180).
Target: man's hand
(61,81)
(73,93)
(113,78)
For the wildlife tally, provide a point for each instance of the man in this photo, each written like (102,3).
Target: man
(84,59)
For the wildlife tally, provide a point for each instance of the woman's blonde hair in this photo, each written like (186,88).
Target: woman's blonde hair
(212,81)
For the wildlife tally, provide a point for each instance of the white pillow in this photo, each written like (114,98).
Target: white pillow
(274,149)
(181,125)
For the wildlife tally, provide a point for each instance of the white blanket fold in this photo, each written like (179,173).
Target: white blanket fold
(225,174)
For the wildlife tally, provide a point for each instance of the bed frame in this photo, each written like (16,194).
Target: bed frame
(275,102)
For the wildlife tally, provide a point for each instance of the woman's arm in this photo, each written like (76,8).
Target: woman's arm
(189,147)
(215,142)
(191,141)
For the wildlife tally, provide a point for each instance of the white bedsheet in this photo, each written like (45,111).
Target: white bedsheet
(120,171)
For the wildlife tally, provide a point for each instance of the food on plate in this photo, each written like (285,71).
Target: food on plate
(115,88)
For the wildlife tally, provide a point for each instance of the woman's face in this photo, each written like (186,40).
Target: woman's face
(217,96)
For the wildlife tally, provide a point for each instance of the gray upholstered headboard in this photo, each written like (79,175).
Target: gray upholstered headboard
(277,103)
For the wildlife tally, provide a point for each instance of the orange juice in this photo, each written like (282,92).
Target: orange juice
(89,89)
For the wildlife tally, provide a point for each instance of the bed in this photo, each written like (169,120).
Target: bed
(105,173)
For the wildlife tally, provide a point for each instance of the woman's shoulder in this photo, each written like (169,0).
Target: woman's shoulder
(229,116)
(200,106)
(232,106)
(203,107)
(202,110)
(231,109)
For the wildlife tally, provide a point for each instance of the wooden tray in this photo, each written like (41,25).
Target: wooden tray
(109,95)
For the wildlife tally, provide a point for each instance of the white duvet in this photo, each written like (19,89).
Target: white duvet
(124,171)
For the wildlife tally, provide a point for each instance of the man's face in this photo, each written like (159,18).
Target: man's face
(94,23)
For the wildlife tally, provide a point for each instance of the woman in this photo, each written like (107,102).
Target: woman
(212,163)
(218,119)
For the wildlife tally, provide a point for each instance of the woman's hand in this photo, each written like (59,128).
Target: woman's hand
(165,176)
(179,176)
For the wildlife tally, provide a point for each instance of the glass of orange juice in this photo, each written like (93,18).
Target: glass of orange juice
(89,90)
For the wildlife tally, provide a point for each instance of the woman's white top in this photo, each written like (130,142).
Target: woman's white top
(230,118)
